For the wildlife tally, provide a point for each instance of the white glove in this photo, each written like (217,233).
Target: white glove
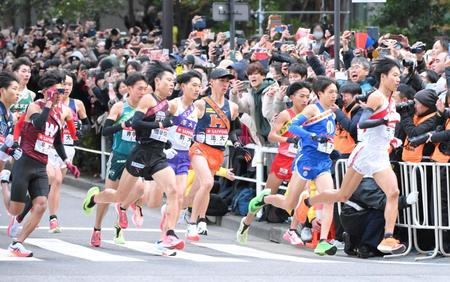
(170,153)
(17,154)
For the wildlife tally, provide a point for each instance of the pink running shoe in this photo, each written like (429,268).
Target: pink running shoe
(292,237)
(162,223)
(13,227)
(54,226)
(138,217)
(96,239)
(122,216)
(172,242)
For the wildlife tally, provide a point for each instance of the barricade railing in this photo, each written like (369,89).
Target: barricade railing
(431,180)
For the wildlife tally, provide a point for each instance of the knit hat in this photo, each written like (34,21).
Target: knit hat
(427,97)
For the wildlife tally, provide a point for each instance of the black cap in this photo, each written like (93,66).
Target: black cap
(220,73)
(427,97)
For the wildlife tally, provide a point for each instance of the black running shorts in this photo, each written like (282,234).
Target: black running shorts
(30,176)
(144,161)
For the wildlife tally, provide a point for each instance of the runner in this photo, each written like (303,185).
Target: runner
(147,160)
(22,69)
(118,124)
(9,94)
(316,128)
(181,134)
(56,168)
(370,157)
(281,170)
(207,153)
(42,130)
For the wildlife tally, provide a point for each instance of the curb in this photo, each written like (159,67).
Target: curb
(268,231)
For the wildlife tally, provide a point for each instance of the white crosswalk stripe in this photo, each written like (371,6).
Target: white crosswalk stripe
(69,249)
(149,248)
(5,256)
(249,252)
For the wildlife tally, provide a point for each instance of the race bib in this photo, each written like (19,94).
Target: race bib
(390,132)
(44,144)
(326,148)
(159,134)
(67,138)
(128,134)
(184,136)
(216,136)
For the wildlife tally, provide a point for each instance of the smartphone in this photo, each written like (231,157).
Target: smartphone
(246,84)
(211,35)
(280,28)
(341,75)
(260,56)
(198,41)
(275,20)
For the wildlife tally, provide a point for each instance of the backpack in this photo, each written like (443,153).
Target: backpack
(274,215)
(217,206)
(239,205)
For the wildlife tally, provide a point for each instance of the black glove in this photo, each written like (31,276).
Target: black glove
(421,139)
(167,122)
(320,139)
(243,151)
(128,122)
(293,140)
(168,145)
(14,151)
(78,124)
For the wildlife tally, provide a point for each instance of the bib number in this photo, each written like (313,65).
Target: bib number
(159,134)
(44,144)
(293,149)
(128,134)
(67,138)
(184,136)
(326,148)
(216,136)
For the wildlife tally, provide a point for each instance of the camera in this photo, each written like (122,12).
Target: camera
(405,106)
(418,47)
(361,98)
(410,64)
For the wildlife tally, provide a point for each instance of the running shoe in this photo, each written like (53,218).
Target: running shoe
(293,238)
(138,216)
(301,211)
(54,226)
(118,235)
(13,227)
(306,234)
(338,244)
(325,248)
(162,223)
(5,175)
(163,251)
(391,246)
(91,193)
(173,242)
(18,250)
(122,219)
(184,217)
(241,234)
(202,228)
(192,233)
(96,239)
(256,203)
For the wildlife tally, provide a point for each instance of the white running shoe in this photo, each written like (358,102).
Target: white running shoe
(338,244)
(18,250)
(202,229)
(306,234)
(192,233)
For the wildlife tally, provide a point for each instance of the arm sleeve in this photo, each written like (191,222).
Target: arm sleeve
(86,125)
(316,65)
(441,136)
(109,128)
(347,57)
(72,129)
(365,122)
(59,147)
(138,122)
(38,120)
(297,128)
(18,127)
(235,130)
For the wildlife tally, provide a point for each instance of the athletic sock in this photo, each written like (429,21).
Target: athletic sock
(170,232)
(201,220)
(307,202)
(122,209)
(322,240)
(53,216)
(97,229)
(91,202)
(388,235)
(117,227)
(263,200)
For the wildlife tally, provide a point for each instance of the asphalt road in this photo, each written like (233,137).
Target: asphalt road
(68,257)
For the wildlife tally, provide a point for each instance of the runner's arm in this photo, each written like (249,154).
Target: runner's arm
(109,128)
(59,147)
(366,122)
(38,119)
(139,123)
(296,126)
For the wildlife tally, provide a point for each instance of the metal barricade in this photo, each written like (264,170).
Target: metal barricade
(442,182)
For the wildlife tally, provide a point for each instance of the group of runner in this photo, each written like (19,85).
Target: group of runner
(176,147)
